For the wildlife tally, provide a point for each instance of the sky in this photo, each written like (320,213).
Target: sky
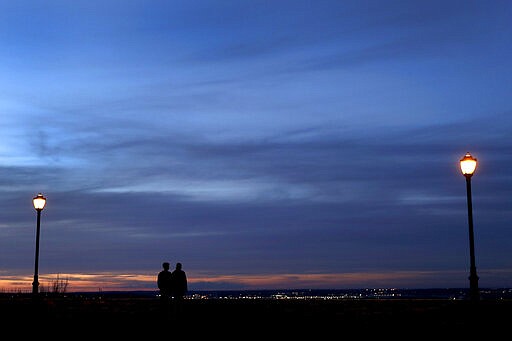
(262,144)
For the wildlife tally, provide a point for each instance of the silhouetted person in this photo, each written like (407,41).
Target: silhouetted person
(164,282)
(179,287)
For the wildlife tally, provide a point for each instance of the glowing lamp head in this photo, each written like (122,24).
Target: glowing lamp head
(39,201)
(468,165)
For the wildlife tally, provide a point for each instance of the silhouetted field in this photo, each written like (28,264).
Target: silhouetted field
(127,315)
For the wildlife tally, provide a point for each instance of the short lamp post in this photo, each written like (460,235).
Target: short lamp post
(468,166)
(39,202)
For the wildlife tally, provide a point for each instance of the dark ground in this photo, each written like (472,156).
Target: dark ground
(119,316)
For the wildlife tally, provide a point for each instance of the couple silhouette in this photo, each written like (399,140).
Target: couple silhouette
(172,285)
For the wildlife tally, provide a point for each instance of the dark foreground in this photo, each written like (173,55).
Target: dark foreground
(220,317)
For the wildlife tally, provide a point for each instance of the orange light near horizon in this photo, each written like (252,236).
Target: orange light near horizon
(468,164)
(39,202)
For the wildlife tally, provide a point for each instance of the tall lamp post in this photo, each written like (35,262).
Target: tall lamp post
(468,166)
(39,201)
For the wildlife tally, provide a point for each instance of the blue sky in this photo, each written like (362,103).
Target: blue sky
(263,144)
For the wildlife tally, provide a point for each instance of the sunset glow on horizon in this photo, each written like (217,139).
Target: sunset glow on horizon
(101,282)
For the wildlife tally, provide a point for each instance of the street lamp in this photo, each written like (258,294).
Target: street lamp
(39,201)
(468,166)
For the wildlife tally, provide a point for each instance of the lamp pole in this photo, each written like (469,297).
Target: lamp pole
(468,166)
(39,202)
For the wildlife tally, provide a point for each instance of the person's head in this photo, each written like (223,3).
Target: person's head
(165,265)
(178,266)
